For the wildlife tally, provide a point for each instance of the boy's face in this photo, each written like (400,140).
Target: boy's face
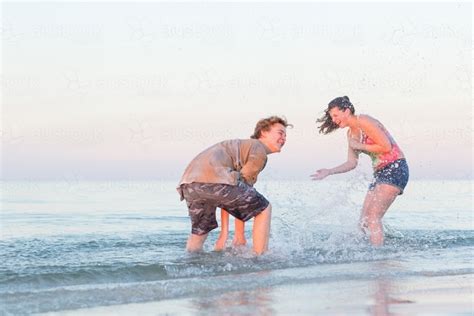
(275,138)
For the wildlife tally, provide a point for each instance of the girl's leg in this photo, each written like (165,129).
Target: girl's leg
(375,206)
(239,235)
(222,239)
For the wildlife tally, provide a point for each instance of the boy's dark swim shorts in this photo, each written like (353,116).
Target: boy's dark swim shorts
(241,201)
(396,174)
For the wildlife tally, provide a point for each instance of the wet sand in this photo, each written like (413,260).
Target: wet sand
(425,295)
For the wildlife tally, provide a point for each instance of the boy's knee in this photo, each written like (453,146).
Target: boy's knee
(269,207)
(267,211)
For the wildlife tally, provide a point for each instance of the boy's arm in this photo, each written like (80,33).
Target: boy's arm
(255,163)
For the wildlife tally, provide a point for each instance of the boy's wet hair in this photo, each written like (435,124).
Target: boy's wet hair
(267,123)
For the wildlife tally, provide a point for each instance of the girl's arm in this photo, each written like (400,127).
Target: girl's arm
(372,129)
(351,163)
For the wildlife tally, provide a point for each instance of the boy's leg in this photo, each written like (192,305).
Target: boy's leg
(202,213)
(261,230)
(195,242)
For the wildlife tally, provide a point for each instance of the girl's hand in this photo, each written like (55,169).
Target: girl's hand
(320,174)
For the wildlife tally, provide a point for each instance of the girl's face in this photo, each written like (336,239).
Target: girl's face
(339,116)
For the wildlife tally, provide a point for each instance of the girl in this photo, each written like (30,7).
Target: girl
(367,135)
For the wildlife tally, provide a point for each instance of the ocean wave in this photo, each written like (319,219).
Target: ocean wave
(84,268)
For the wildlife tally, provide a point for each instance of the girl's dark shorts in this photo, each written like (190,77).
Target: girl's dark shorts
(396,174)
(241,201)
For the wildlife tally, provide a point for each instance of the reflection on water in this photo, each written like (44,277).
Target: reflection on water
(256,302)
(384,289)
(250,302)
(380,293)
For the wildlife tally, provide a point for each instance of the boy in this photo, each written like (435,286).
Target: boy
(223,176)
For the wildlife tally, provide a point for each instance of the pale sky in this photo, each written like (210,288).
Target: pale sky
(135,90)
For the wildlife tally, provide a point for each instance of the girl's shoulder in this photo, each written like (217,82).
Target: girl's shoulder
(367,120)
(365,117)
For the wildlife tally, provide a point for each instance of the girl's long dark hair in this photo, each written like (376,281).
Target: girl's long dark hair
(328,125)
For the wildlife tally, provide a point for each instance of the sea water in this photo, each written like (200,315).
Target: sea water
(75,244)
